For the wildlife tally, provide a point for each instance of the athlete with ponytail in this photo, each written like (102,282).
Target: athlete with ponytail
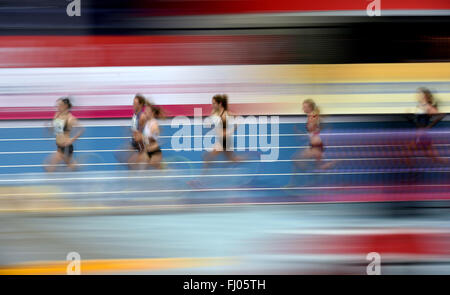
(223,131)
(315,151)
(63,123)
(427,115)
(152,153)
(219,116)
(137,122)
(137,125)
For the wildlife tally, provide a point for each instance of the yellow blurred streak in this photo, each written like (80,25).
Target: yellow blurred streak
(29,198)
(359,73)
(372,110)
(381,103)
(351,104)
(113,265)
(345,98)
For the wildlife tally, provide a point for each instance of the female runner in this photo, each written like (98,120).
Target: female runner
(137,126)
(220,113)
(63,123)
(426,110)
(152,153)
(315,151)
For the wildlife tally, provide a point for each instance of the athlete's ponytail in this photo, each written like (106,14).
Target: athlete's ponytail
(147,103)
(157,111)
(429,98)
(222,99)
(66,101)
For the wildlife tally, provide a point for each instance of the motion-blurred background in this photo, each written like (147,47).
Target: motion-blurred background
(252,217)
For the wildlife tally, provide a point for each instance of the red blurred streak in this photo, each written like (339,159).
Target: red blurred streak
(188,7)
(97,112)
(108,51)
(382,197)
(383,243)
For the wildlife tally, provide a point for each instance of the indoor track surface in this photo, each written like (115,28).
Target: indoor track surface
(255,216)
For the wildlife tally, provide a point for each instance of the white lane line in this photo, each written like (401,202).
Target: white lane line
(52,138)
(217,190)
(162,136)
(236,149)
(236,135)
(380,133)
(217,175)
(103,172)
(64,165)
(28,139)
(292,119)
(50,152)
(225,161)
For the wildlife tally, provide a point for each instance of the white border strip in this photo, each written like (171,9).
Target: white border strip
(225,161)
(209,190)
(246,149)
(282,120)
(212,175)
(237,135)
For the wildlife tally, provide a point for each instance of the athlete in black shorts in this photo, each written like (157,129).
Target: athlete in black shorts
(63,123)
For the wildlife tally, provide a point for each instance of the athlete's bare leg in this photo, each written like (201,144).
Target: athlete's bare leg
(209,157)
(155,161)
(433,154)
(54,160)
(70,162)
(133,160)
(232,157)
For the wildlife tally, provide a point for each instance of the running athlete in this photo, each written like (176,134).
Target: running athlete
(219,115)
(137,126)
(63,123)
(152,153)
(426,110)
(316,148)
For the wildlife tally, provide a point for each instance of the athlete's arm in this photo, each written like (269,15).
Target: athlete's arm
(233,126)
(49,126)
(314,123)
(155,129)
(137,134)
(73,123)
(412,119)
(153,144)
(438,118)
(142,121)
